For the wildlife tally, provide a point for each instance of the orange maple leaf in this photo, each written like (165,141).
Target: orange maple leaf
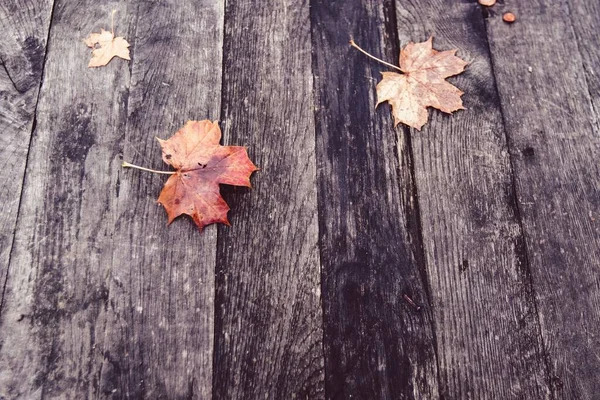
(201,164)
(421,84)
(106,46)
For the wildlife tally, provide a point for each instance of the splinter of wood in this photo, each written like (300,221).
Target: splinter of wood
(411,302)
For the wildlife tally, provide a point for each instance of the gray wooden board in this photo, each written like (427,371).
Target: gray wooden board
(549,118)
(585,19)
(377,345)
(22,51)
(57,283)
(268,335)
(474,248)
(159,335)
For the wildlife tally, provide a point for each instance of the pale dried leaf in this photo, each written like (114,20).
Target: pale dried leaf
(421,84)
(106,46)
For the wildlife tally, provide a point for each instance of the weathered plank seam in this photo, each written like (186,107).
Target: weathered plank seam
(33,127)
(416,232)
(10,77)
(518,214)
(223,62)
(585,75)
(320,247)
(132,56)
(222,113)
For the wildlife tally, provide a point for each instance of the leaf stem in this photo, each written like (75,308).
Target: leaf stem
(112,21)
(373,57)
(128,165)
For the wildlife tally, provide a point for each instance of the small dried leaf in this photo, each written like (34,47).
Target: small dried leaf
(487,3)
(106,46)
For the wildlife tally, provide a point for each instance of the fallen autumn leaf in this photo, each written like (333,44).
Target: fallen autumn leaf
(201,164)
(109,46)
(421,84)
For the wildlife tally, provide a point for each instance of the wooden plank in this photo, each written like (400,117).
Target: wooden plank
(22,51)
(376,344)
(554,148)
(57,283)
(585,19)
(268,325)
(487,329)
(161,303)
(23,45)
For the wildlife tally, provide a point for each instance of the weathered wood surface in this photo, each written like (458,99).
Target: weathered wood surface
(89,263)
(377,345)
(57,284)
(159,333)
(550,120)
(585,19)
(22,52)
(486,219)
(474,247)
(268,335)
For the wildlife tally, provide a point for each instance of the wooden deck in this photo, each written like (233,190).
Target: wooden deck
(459,262)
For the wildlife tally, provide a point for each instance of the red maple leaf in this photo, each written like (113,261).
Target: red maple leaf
(201,164)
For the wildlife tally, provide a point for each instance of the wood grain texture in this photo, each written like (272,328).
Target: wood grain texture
(377,346)
(487,219)
(487,328)
(159,335)
(585,19)
(57,284)
(548,114)
(268,334)
(24,26)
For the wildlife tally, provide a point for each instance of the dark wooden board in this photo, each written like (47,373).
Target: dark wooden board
(555,148)
(376,344)
(159,334)
(268,336)
(22,52)
(585,19)
(57,282)
(487,328)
